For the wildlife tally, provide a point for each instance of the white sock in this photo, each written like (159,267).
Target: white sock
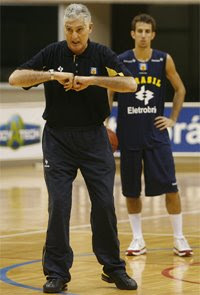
(177,225)
(136,225)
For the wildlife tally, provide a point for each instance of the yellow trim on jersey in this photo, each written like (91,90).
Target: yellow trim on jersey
(113,73)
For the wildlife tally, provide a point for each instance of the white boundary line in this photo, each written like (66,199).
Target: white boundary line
(77,227)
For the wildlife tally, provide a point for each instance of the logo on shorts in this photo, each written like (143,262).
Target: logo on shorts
(46,164)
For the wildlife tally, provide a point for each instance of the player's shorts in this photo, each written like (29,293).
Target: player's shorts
(158,167)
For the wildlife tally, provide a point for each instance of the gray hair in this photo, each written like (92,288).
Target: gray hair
(74,11)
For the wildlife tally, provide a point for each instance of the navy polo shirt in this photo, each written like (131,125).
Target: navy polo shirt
(74,109)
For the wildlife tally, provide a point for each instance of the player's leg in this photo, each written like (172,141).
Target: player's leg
(131,170)
(159,172)
(173,205)
(134,205)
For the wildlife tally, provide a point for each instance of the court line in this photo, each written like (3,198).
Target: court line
(144,233)
(88,225)
(160,216)
(5,279)
(160,235)
(167,272)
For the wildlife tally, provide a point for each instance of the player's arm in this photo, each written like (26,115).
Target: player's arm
(110,94)
(117,83)
(28,78)
(179,89)
(179,96)
(110,97)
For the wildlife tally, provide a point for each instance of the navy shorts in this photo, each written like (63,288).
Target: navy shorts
(158,167)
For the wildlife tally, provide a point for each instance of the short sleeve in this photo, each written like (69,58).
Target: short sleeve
(113,64)
(40,61)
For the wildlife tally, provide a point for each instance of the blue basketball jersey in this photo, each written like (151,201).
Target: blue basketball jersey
(137,111)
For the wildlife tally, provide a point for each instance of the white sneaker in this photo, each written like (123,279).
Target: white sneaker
(181,247)
(136,247)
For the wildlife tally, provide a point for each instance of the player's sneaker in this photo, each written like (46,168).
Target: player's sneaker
(136,247)
(181,247)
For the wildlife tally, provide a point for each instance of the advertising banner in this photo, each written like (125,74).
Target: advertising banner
(21,128)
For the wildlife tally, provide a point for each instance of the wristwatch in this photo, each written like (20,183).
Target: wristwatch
(51,71)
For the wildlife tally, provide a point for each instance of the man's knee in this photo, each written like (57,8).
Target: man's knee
(173,203)
(134,205)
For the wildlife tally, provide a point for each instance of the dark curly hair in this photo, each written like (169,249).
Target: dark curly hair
(145,18)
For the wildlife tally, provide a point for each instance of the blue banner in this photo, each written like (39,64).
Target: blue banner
(185,135)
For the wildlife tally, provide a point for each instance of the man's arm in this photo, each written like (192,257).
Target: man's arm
(179,96)
(118,84)
(28,78)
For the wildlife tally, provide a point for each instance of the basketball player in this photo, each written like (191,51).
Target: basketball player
(76,73)
(142,132)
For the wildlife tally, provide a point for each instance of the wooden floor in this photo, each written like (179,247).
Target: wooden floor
(23,211)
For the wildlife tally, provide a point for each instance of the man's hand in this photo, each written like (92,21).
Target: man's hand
(66,79)
(163,122)
(81,82)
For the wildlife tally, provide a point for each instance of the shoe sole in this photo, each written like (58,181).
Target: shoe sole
(185,253)
(106,279)
(109,280)
(135,252)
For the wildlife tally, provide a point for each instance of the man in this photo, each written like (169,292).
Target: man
(75,73)
(143,136)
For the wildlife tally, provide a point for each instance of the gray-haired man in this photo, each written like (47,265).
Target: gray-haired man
(76,74)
